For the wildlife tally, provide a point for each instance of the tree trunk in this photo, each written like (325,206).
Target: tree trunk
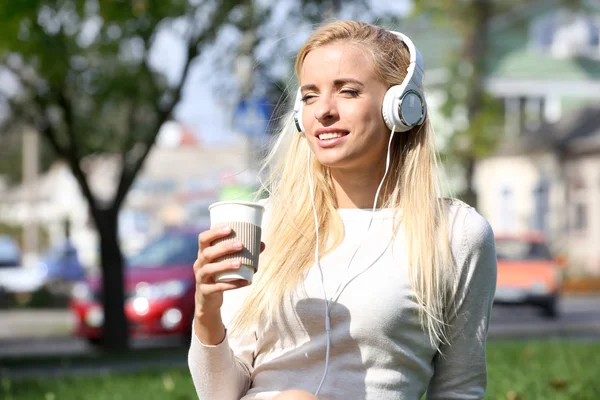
(470,195)
(475,52)
(115,332)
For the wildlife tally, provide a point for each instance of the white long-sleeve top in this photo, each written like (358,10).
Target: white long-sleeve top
(379,350)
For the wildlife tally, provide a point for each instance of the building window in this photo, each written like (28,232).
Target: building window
(540,195)
(580,218)
(507,211)
(578,198)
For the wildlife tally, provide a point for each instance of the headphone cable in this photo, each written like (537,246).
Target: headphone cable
(318,263)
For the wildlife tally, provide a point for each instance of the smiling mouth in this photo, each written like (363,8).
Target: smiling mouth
(328,136)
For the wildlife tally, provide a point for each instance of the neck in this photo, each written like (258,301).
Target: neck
(357,189)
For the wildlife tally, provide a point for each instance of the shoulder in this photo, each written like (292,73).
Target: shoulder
(473,253)
(469,232)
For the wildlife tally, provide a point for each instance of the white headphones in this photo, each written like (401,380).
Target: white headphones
(404,105)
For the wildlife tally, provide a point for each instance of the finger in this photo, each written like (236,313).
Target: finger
(207,273)
(207,237)
(221,249)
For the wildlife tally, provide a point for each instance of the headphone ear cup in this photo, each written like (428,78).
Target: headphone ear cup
(412,106)
(390,109)
(298,105)
(403,107)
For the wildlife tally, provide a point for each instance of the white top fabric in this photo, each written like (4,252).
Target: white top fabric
(378,348)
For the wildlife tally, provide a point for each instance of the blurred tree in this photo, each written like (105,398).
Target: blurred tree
(84,80)
(465,92)
(479,115)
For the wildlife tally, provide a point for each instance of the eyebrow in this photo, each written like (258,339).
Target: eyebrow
(337,83)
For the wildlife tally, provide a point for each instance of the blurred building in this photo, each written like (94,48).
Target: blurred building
(180,178)
(548,180)
(545,175)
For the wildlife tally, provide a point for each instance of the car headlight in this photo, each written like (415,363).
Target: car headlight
(81,291)
(163,290)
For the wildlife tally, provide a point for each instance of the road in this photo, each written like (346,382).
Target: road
(38,333)
(579,318)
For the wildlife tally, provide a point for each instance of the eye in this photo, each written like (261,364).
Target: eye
(350,92)
(307,98)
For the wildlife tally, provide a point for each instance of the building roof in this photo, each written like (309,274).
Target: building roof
(511,55)
(576,134)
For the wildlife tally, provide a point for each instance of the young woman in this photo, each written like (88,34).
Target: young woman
(371,286)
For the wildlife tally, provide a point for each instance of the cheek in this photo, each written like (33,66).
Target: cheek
(308,118)
(366,118)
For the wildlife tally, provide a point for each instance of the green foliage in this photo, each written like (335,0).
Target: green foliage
(484,127)
(464,89)
(84,80)
(82,67)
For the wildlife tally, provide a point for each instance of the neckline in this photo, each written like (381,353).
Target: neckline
(362,213)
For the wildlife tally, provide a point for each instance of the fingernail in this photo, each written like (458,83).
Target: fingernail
(236,263)
(237,245)
(226,228)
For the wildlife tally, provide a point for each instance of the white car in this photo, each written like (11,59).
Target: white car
(14,278)
(10,253)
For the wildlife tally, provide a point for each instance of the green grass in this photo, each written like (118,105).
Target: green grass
(548,370)
(172,384)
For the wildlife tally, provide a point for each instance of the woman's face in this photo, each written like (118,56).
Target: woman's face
(342,108)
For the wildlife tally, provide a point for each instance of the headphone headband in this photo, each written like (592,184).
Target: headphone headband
(404,105)
(416,69)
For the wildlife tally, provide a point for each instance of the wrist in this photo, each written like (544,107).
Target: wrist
(207,316)
(209,328)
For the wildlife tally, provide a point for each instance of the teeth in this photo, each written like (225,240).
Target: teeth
(325,136)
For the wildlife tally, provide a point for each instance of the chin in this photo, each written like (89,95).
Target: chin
(334,162)
(334,158)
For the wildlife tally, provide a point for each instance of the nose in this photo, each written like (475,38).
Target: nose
(326,109)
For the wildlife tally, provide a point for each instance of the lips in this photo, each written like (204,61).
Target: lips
(327,136)
(330,133)
(330,137)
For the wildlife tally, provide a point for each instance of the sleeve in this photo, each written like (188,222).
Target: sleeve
(460,370)
(223,371)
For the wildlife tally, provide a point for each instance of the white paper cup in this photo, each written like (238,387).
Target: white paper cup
(245,220)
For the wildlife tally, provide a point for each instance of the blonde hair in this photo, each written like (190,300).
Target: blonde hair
(412,186)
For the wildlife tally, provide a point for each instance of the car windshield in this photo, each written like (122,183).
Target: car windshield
(167,250)
(521,250)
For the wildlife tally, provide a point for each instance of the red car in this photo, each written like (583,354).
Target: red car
(159,291)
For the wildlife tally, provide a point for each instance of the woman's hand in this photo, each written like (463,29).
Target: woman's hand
(209,293)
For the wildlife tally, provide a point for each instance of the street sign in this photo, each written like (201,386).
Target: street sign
(252,116)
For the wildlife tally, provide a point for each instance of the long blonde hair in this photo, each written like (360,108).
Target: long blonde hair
(412,186)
